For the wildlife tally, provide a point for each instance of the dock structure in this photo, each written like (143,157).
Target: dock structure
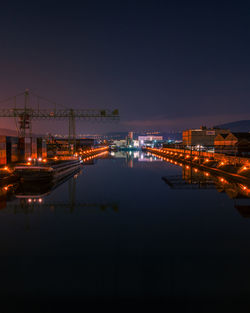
(219,157)
(237,169)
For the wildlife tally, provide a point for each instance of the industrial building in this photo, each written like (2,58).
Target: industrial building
(8,149)
(233,144)
(150,141)
(202,137)
(14,149)
(60,146)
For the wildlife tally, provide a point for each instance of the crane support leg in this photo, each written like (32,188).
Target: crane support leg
(72,132)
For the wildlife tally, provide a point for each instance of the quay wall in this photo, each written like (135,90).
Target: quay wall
(230,159)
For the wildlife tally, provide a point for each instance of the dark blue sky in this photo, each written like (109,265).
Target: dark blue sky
(165,64)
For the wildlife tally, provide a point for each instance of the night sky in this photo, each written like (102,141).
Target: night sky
(165,65)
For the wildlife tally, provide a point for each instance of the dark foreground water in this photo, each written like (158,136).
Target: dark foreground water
(118,234)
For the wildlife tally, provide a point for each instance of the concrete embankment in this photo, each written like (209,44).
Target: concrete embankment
(219,165)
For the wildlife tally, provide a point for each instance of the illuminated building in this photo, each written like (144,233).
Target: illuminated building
(149,141)
(202,136)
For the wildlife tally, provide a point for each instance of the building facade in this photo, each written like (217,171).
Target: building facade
(233,144)
(201,137)
(149,140)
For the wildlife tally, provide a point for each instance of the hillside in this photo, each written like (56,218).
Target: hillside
(238,126)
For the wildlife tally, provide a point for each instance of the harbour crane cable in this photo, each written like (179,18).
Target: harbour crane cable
(49,100)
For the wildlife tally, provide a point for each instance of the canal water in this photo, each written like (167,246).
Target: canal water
(117,232)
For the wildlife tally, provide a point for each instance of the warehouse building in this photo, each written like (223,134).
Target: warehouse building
(233,144)
(202,137)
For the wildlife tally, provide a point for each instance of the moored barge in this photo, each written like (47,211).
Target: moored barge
(48,172)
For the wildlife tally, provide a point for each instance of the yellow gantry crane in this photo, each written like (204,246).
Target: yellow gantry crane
(27,106)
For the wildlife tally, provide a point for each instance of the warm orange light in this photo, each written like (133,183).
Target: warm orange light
(44,160)
(5,188)
(207,174)
(222,180)
(196,170)
(28,163)
(187,167)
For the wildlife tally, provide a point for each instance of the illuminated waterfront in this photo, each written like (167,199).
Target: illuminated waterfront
(116,231)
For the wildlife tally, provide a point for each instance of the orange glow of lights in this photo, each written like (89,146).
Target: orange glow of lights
(187,167)
(207,174)
(5,188)
(195,170)
(222,180)
(28,163)
(6,168)
(44,160)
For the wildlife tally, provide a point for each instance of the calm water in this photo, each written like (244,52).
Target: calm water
(117,232)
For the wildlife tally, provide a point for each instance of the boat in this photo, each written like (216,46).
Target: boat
(48,172)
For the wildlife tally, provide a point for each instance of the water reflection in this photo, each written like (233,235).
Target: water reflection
(164,244)
(131,156)
(32,197)
(192,178)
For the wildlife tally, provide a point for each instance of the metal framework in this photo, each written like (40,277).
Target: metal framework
(25,114)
